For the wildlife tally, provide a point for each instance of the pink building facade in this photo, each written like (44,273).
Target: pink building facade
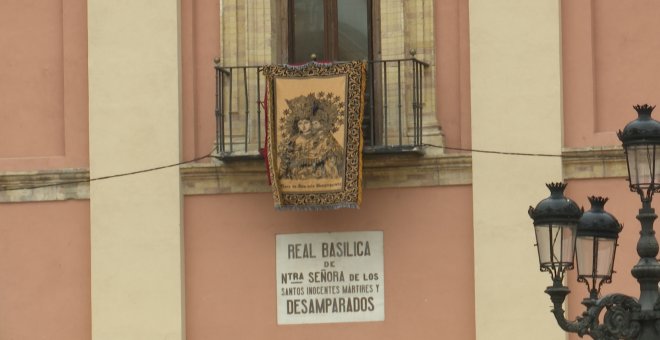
(93,93)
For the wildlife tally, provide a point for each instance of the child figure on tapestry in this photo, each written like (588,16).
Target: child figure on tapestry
(308,148)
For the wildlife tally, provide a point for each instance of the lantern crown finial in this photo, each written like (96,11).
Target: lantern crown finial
(597,202)
(556,188)
(643,130)
(598,222)
(644,109)
(555,209)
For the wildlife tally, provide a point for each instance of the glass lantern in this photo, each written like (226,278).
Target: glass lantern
(641,141)
(597,236)
(555,224)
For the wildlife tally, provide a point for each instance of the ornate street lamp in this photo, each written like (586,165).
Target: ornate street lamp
(595,240)
(641,139)
(595,248)
(555,222)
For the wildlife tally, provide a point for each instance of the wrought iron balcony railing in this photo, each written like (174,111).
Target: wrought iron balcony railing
(392,109)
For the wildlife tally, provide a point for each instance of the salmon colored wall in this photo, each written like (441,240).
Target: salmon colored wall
(428,259)
(452,91)
(200,41)
(43,84)
(610,63)
(624,205)
(45,271)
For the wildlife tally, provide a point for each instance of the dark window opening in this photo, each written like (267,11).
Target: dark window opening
(333,30)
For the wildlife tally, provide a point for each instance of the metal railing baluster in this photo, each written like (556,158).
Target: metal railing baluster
(231,101)
(259,103)
(382,86)
(372,107)
(385,106)
(398,67)
(247,109)
(221,73)
(420,101)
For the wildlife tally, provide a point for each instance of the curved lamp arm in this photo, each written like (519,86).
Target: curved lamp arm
(621,320)
(581,325)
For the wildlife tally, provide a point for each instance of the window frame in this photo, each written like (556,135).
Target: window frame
(331,30)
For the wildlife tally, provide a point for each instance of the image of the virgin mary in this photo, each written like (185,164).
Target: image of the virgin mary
(310,151)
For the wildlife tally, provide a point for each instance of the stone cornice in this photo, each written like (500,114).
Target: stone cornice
(594,162)
(44,185)
(245,176)
(380,171)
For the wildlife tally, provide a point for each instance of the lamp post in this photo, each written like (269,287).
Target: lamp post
(563,232)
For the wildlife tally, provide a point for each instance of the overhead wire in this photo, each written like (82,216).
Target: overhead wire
(211,155)
(89,180)
(506,153)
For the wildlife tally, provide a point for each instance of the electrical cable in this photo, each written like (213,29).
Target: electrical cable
(507,153)
(493,152)
(107,177)
(210,155)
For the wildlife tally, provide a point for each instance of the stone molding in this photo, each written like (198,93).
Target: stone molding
(594,162)
(249,176)
(44,185)
(380,171)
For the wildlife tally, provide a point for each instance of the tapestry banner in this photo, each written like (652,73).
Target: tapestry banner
(314,135)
